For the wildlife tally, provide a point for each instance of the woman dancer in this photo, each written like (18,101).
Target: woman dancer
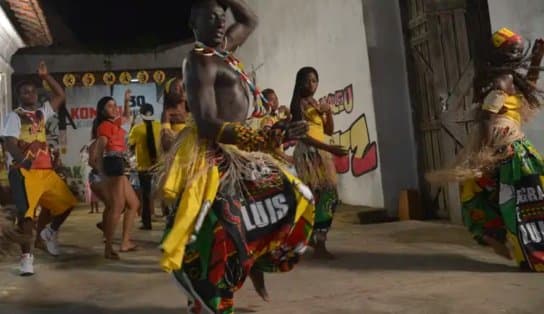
(500,169)
(109,154)
(313,160)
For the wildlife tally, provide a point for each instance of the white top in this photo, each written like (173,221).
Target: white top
(12,125)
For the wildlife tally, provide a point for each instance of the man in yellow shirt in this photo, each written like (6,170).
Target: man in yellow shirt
(144,139)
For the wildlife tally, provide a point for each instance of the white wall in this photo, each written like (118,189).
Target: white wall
(330,36)
(10,41)
(526,18)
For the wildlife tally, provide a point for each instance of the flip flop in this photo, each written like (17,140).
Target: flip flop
(132,249)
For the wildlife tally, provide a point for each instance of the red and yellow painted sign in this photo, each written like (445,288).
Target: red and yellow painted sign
(363,157)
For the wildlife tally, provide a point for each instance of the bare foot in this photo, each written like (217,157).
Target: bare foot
(128,247)
(499,248)
(502,250)
(257,278)
(111,254)
(321,252)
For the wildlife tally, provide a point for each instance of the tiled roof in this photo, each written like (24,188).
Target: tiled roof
(32,21)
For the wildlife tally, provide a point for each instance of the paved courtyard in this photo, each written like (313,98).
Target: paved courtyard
(403,267)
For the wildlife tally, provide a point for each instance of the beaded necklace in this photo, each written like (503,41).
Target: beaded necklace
(260,109)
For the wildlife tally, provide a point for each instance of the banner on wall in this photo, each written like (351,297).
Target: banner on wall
(81,105)
(70,129)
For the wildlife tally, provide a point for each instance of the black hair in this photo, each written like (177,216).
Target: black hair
(268,91)
(296,110)
(149,135)
(100,114)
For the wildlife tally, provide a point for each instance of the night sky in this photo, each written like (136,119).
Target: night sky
(124,24)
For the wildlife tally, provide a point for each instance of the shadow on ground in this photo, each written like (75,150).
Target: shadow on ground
(81,308)
(371,261)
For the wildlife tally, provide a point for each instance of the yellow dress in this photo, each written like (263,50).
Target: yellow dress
(315,167)
(315,124)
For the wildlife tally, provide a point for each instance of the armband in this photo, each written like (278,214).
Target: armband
(251,140)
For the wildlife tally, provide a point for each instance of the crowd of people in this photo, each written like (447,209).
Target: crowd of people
(237,203)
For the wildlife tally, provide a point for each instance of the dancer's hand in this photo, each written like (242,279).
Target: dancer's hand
(538,48)
(296,130)
(338,150)
(42,70)
(324,107)
(128,95)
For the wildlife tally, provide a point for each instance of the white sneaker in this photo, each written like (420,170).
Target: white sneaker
(26,265)
(49,238)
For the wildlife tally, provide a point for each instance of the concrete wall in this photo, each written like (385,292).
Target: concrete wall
(10,42)
(524,17)
(329,35)
(170,58)
(388,71)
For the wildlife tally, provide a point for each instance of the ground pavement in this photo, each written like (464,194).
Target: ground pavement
(403,267)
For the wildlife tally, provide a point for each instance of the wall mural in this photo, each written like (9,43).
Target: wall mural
(363,157)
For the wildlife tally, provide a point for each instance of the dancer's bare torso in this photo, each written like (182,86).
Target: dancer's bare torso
(209,77)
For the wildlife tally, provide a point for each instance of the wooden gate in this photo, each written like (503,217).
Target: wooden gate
(445,41)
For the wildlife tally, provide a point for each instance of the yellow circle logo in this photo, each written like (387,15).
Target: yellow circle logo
(88,79)
(125,78)
(159,76)
(142,77)
(69,80)
(109,78)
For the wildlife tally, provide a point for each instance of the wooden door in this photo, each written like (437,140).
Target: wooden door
(445,42)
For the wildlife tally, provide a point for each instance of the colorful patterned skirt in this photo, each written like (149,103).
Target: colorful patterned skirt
(508,205)
(316,169)
(234,211)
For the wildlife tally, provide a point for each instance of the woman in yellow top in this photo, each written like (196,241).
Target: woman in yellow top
(174,117)
(501,171)
(174,112)
(144,139)
(313,160)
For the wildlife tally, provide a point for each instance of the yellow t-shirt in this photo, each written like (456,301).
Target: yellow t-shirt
(137,137)
(174,127)
(501,103)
